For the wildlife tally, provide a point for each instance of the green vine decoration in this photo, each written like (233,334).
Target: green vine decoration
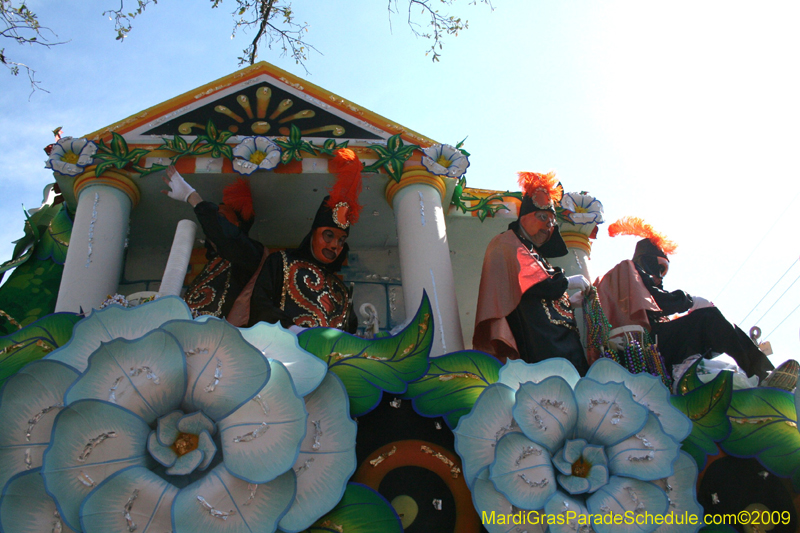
(392,157)
(117,155)
(330,146)
(294,145)
(212,142)
(215,141)
(485,206)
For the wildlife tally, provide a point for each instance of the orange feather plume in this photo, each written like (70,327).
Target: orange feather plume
(638,227)
(347,167)
(531,181)
(237,197)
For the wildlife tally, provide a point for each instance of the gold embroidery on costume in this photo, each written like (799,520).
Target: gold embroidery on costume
(562,308)
(320,296)
(206,295)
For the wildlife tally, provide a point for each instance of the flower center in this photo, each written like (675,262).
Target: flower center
(444,161)
(581,467)
(579,209)
(257,157)
(187,442)
(70,157)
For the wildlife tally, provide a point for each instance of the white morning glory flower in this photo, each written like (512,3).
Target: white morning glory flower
(148,419)
(543,439)
(445,160)
(583,208)
(70,156)
(255,153)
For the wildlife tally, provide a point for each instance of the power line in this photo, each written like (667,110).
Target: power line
(757,246)
(782,321)
(778,300)
(769,291)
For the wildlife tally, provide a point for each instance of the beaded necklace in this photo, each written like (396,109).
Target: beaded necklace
(639,355)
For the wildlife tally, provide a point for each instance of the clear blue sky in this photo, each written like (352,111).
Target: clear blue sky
(684,113)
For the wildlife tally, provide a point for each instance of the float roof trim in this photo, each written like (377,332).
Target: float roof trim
(260,100)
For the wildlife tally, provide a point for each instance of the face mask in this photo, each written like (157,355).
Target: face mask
(327,244)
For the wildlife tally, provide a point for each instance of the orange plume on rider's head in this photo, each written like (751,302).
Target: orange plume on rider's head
(343,199)
(540,191)
(638,227)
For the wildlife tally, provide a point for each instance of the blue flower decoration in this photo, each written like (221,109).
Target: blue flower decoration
(148,419)
(544,439)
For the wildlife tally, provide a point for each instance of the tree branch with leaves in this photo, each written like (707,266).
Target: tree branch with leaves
(21,25)
(273,21)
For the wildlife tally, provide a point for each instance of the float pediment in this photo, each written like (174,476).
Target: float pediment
(260,100)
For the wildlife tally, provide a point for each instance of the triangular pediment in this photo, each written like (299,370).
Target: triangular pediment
(260,100)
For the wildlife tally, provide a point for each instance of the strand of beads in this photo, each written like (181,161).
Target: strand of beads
(597,326)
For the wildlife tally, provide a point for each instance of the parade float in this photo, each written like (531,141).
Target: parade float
(123,411)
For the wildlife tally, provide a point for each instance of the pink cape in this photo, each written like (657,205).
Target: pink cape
(509,270)
(624,297)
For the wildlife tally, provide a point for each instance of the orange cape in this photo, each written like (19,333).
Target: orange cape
(624,297)
(509,270)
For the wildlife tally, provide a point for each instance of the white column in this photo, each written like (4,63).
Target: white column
(94,258)
(425,255)
(178,261)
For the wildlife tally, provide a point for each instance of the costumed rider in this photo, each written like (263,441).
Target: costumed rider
(299,288)
(523,308)
(632,293)
(224,286)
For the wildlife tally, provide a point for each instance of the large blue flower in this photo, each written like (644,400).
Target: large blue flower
(544,439)
(149,420)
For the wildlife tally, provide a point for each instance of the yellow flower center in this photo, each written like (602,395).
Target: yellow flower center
(581,467)
(70,157)
(185,443)
(579,209)
(257,157)
(444,161)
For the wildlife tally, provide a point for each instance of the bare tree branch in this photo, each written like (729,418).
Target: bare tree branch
(273,21)
(14,67)
(123,21)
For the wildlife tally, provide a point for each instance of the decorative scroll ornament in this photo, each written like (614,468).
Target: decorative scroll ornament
(70,156)
(256,153)
(445,160)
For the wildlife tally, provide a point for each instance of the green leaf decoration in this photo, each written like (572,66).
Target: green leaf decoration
(485,206)
(764,425)
(55,238)
(361,510)
(294,145)
(367,367)
(25,245)
(707,408)
(689,380)
(34,342)
(452,385)
(46,232)
(330,146)
(392,157)
(215,142)
(116,154)
(144,171)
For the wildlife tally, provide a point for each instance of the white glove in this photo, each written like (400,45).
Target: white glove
(578,282)
(700,303)
(179,189)
(576,299)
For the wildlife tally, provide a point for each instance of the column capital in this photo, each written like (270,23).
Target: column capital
(110,178)
(574,239)
(414,175)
